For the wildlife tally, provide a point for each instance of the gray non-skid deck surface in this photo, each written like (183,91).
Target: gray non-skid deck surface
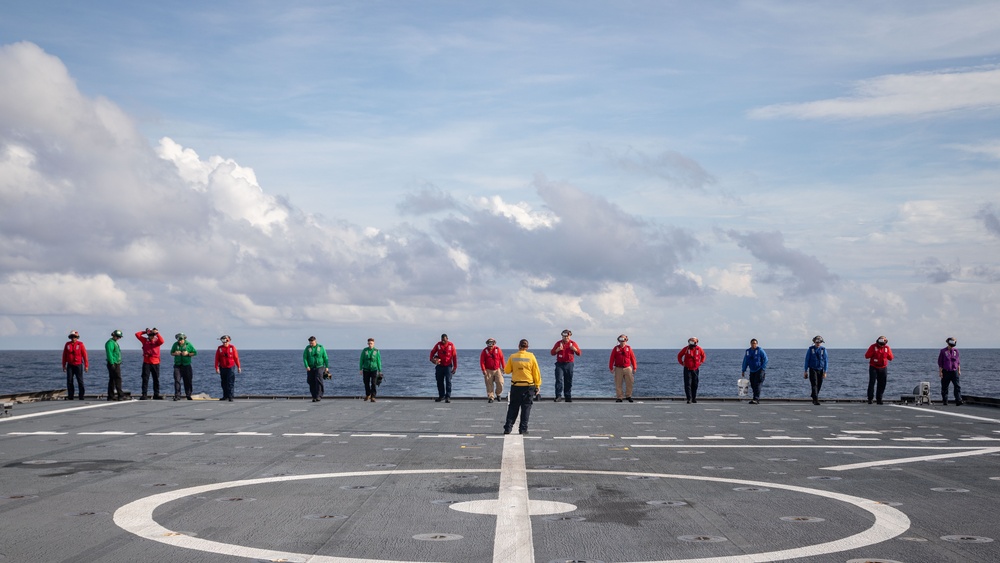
(650,481)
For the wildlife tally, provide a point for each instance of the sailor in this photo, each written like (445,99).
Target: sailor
(565,351)
(316,360)
(691,358)
(622,364)
(444,356)
(525,380)
(815,367)
(949,370)
(74,363)
(114,353)
(151,340)
(492,364)
(878,355)
(183,351)
(755,359)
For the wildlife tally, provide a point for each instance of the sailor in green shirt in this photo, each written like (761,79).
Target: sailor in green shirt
(183,351)
(371,369)
(316,361)
(114,353)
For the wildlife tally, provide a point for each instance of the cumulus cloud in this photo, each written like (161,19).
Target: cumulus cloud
(990,220)
(797,272)
(97,222)
(937,271)
(429,199)
(914,94)
(589,244)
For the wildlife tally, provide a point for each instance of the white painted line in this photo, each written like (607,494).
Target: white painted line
(919,439)
(137,518)
(311,434)
(793,438)
(862,432)
(378,435)
(806,447)
(242,434)
(949,413)
(38,433)
(853,439)
(580,437)
(62,411)
(910,459)
(513,541)
(106,433)
(648,438)
(889,522)
(175,434)
(979,439)
(446,436)
(716,438)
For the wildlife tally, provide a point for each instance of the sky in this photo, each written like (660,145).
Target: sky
(398,170)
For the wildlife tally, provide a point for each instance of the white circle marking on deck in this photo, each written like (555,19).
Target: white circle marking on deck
(137,517)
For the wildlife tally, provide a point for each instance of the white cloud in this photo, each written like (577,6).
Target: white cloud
(894,95)
(55,294)
(616,299)
(520,212)
(736,280)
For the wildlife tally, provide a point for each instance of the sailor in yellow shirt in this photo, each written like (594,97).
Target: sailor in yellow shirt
(525,381)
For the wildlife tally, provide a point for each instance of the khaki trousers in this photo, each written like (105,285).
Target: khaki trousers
(494,383)
(623,375)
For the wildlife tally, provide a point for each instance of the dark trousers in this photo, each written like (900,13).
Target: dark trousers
(519,402)
(183,375)
(756,378)
(947,377)
(690,384)
(115,381)
(876,376)
(443,375)
(228,377)
(815,382)
(564,379)
(314,378)
(370,377)
(74,372)
(151,370)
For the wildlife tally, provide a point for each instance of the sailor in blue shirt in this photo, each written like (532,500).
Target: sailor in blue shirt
(755,359)
(815,367)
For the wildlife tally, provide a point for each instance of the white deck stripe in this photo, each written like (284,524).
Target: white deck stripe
(910,459)
(61,411)
(512,541)
(949,413)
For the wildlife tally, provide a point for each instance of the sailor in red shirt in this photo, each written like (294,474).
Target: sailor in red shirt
(227,365)
(564,351)
(691,358)
(151,340)
(492,363)
(622,364)
(445,360)
(879,355)
(74,363)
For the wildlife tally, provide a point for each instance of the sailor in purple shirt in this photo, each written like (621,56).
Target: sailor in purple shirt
(949,370)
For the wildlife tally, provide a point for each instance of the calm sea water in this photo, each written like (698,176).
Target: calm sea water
(409,373)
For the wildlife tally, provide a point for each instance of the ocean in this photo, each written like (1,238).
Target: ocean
(409,373)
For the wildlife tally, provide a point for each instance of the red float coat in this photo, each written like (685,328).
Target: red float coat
(226,356)
(569,350)
(491,360)
(879,356)
(691,358)
(150,347)
(446,353)
(622,357)
(74,354)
